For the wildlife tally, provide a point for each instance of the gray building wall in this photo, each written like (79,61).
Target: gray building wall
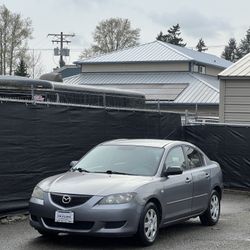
(146,67)
(136,67)
(235,101)
(213,71)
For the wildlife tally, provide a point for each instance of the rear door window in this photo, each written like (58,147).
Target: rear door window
(194,157)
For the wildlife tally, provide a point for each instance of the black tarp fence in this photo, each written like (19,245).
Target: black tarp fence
(229,145)
(37,141)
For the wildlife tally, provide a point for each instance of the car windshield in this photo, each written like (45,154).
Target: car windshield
(131,160)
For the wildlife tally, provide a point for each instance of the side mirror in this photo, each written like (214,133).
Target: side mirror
(173,170)
(73,163)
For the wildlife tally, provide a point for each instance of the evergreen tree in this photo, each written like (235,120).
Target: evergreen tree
(244,46)
(201,46)
(231,52)
(21,69)
(173,36)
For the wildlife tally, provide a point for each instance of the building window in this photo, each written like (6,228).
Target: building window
(199,69)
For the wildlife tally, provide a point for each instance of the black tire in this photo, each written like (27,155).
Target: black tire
(47,234)
(210,217)
(141,234)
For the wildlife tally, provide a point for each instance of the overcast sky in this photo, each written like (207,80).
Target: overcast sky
(213,20)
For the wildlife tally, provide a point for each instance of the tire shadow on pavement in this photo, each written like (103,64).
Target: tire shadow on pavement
(65,241)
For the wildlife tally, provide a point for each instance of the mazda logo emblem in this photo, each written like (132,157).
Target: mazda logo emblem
(66,199)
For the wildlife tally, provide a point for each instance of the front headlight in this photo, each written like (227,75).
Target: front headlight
(37,193)
(117,198)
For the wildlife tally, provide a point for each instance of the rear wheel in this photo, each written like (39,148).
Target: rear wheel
(149,225)
(212,214)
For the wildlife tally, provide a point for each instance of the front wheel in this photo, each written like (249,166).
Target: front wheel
(211,216)
(148,225)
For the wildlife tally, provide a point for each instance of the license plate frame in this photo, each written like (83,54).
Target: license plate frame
(64,217)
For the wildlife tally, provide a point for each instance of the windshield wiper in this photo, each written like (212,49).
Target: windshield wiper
(112,172)
(80,170)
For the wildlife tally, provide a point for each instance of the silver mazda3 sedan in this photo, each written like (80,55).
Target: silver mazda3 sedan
(129,187)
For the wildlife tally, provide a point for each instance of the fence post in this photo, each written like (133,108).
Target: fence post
(186,117)
(32,93)
(104,100)
(158,105)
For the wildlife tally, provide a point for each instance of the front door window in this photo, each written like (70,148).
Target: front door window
(176,158)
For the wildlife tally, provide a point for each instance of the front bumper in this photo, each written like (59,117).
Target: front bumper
(89,218)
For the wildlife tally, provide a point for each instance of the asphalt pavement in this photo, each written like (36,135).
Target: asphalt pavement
(231,233)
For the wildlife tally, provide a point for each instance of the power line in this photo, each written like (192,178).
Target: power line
(217,46)
(81,49)
(211,46)
(48,49)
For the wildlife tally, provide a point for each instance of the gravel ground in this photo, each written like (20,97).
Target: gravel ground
(232,232)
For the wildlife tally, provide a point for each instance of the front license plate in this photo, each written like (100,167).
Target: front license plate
(64,217)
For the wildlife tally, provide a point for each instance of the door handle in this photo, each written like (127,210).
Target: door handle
(188,180)
(207,175)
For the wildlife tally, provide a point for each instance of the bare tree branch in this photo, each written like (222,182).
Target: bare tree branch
(14,32)
(111,35)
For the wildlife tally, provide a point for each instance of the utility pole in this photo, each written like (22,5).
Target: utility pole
(61,39)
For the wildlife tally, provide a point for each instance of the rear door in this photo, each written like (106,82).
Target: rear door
(201,178)
(177,188)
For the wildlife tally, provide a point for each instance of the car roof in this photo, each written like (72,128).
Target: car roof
(141,142)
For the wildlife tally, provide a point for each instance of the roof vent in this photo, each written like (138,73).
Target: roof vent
(55,77)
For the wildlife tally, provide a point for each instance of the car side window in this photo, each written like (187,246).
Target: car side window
(176,157)
(194,157)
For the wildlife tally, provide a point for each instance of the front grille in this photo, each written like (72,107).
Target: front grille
(77,225)
(75,200)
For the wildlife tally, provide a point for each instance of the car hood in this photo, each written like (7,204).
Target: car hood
(93,183)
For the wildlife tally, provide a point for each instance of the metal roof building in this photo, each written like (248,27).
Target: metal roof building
(238,70)
(172,75)
(235,92)
(157,51)
(174,87)
(68,70)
